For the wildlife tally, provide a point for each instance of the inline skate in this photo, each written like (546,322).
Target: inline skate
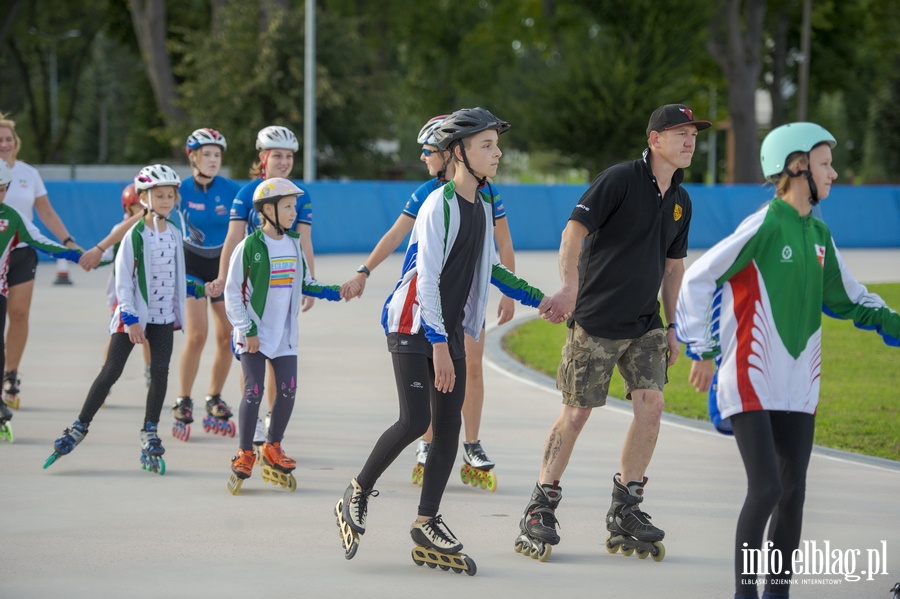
(241,468)
(350,514)
(67,442)
(437,546)
(6,431)
(152,450)
(277,467)
(11,384)
(538,525)
(217,416)
(629,527)
(418,473)
(478,468)
(183,411)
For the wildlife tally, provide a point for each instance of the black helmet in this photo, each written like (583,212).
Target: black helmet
(465,122)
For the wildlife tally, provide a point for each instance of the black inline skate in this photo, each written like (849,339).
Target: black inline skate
(629,527)
(350,513)
(11,384)
(6,431)
(538,525)
(437,546)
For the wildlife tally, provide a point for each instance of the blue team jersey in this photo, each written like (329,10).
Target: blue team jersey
(418,196)
(242,207)
(205,214)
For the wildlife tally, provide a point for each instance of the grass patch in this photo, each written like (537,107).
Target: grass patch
(859,402)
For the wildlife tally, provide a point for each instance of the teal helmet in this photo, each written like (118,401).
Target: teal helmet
(783,141)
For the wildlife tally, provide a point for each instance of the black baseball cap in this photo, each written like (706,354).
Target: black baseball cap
(671,116)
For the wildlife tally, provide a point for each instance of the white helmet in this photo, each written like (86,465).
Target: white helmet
(277,137)
(205,137)
(426,134)
(5,173)
(156,175)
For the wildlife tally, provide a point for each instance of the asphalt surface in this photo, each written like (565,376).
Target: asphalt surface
(95,525)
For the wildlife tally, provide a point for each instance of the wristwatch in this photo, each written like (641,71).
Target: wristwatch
(68,240)
(364,270)
(670,326)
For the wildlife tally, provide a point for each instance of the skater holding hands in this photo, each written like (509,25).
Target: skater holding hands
(477,468)
(17,229)
(267,274)
(442,295)
(625,242)
(760,358)
(151,289)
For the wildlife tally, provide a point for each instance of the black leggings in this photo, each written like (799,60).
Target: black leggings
(3,302)
(159,336)
(419,399)
(254,367)
(775,447)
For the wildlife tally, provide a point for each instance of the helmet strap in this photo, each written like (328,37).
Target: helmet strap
(262,165)
(278,228)
(813,189)
(442,174)
(462,150)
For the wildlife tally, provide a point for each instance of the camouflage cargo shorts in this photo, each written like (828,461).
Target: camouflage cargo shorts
(587,364)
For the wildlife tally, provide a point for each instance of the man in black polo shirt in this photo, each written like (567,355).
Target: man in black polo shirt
(623,246)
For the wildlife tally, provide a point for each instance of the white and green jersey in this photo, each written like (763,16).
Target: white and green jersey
(754,302)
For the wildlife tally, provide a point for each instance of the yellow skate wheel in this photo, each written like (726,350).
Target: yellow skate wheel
(13,402)
(291,482)
(464,474)
(661,552)
(627,551)
(491,482)
(234,484)
(610,547)
(641,553)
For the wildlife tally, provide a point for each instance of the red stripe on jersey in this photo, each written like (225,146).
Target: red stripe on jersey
(406,318)
(745,288)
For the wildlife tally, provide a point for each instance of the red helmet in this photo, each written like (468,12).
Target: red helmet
(129,197)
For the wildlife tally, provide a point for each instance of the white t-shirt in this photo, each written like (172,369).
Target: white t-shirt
(26,186)
(161,278)
(274,330)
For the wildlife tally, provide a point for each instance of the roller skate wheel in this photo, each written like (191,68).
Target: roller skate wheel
(444,568)
(351,550)
(519,546)
(471,568)
(641,553)
(610,547)
(544,553)
(627,551)
(13,402)
(234,484)
(230,428)
(291,483)
(660,553)
(491,482)
(464,474)
(430,565)
(161,468)
(51,459)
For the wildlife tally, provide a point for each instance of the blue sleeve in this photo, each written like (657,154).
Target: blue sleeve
(304,209)
(418,196)
(243,202)
(499,210)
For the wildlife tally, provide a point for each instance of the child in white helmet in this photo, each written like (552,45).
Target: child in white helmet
(267,275)
(151,290)
(13,229)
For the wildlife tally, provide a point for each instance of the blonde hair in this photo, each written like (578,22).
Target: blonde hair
(784,179)
(7,123)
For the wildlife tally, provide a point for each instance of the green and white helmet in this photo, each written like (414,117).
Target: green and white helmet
(783,141)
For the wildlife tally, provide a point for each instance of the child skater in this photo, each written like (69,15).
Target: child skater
(151,288)
(16,229)
(441,296)
(267,274)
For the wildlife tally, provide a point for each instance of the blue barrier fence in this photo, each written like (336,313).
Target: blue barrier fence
(351,217)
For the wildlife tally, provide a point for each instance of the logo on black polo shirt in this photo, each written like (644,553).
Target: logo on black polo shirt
(583,207)
(678,212)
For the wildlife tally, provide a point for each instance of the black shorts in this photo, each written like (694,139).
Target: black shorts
(205,269)
(22,266)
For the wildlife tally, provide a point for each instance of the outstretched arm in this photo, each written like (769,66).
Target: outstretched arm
(561,305)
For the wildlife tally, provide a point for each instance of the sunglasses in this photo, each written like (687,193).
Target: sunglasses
(426,152)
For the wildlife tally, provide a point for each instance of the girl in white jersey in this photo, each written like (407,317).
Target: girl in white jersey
(27,195)
(151,290)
